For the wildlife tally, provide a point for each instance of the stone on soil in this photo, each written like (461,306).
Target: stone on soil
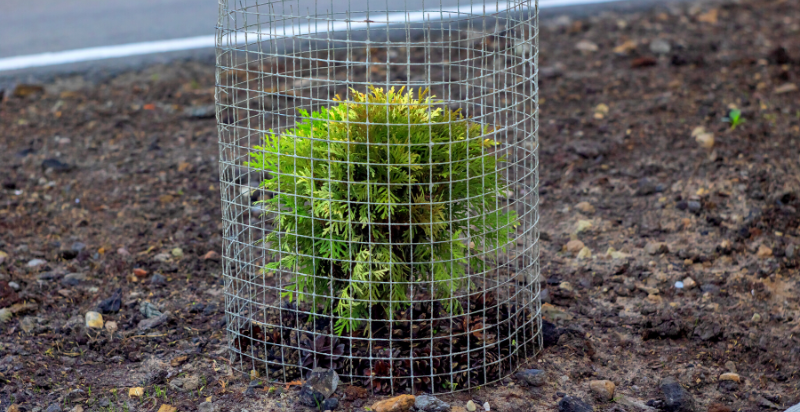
(582,226)
(112,304)
(320,384)
(149,310)
(586,46)
(585,253)
(656,248)
(206,407)
(33,263)
(573,404)
(471,406)
(147,324)
(585,207)
(730,376)
(764,252)
(330,404)
(660,46)
(603,389)
(402,403)
(94,320)
(73,279)
(532,377)
(676,398)
(574,246)
(428,403)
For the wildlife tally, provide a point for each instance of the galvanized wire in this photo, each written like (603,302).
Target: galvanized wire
(275,58)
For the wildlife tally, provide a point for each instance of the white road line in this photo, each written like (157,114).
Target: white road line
(201,42)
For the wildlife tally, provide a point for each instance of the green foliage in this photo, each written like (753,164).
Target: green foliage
(734,118)
(377,194)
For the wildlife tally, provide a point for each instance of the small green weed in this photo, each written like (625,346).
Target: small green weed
(734,118)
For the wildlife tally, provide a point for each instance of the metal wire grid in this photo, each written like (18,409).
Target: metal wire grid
(277,57)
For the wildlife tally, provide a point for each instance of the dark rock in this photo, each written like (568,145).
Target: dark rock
(112,304)
(148,310)
(147,324)
(532,377)
(682,205)
(676,399)
(250,392)
(708,330)
(780,56)
(331,404)
(694,206)
(666,325)
(550,333)
(44,276)
(78,246)
(320,384)
(573,404)
(53,408)
(210,309)
(728,386)
(646,187)
(25,152)
(158,280)
(589,149)
(196,308)
(68,254)
(55,165)
(428,403)
(73,279)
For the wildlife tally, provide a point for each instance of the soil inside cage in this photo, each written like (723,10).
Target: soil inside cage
(422,348)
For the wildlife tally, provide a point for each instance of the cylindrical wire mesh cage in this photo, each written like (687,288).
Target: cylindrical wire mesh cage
(379,182)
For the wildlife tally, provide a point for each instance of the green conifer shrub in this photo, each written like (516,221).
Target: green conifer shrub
(377,194)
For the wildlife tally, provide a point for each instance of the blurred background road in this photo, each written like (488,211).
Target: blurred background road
(48,33)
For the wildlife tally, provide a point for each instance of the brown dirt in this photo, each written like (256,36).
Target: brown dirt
(143,178)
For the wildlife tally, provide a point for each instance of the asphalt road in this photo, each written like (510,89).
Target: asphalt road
(39,26)
(37,29)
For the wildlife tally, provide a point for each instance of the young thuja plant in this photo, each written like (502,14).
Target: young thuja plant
(379,192)
(734,118)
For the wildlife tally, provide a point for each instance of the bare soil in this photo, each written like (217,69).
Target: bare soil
(103,178)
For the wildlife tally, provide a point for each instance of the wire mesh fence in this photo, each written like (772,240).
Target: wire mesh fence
(379,182)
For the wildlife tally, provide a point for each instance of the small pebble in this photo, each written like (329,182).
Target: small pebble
(585,253)
(94,320)
(756,318)
(36,263)
(730,366)
(13,285)
(603,390)
(574,246)
(177,252)
(764,252)
(730,376)
(679,285)
(487,407)
(660,46)
(585,207)
(471,406)
(689,283)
